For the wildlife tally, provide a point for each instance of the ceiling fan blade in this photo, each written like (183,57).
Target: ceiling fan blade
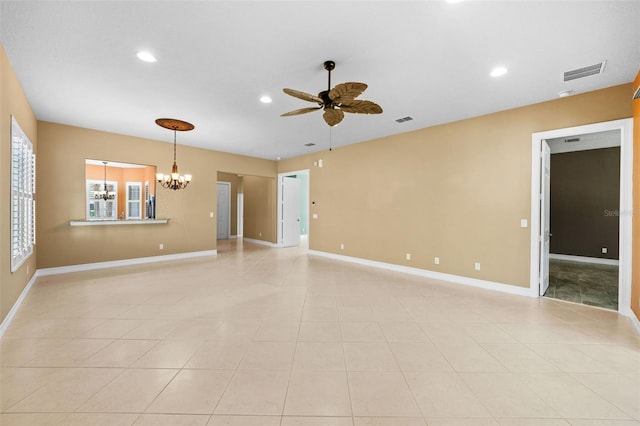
(333,116)
(344,92)
(300,111)
(361,107)
(302,95)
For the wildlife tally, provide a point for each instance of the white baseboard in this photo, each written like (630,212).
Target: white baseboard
(261,242)
(14,309)
(584,259)
(124,262)
(472,282)
(233,237)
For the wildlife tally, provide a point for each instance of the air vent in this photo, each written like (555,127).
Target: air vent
(637,94)
(584,72)
(403,119)
(309,144)
(572,140)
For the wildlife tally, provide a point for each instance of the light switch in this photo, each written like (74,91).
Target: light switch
(210,214)
(523,223)
(315,215)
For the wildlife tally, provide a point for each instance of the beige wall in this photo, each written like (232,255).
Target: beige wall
(13,102)
(635,281)
(60,186)
(259,206)
(456,191)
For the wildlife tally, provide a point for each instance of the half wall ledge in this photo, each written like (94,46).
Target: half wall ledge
(117,222)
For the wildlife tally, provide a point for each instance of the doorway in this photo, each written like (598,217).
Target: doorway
(293,207)
(224,211)
(539,206)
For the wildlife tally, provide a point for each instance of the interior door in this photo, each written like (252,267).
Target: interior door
(545,209)
(224,210)
(290,211)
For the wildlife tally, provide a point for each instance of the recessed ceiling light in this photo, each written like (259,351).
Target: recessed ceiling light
(565,93)
(498,71)
(278,158)
(265,100)
(146,56)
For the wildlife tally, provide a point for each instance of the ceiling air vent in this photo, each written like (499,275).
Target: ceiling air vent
(637,94)
(309,144)
(403,119)
(584,71)
(572,140)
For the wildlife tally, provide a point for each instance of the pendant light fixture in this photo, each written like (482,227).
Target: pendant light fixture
(104,194)
(174,180)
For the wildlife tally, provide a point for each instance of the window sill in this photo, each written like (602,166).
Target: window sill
(106,222)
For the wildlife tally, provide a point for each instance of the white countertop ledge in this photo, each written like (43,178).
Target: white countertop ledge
(107,222)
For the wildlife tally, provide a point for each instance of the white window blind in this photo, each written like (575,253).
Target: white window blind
(23,188)
(134,200)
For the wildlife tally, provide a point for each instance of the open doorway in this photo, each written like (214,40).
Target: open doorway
(545,240)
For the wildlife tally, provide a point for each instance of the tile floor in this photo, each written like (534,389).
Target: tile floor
(587,283)
(261,336)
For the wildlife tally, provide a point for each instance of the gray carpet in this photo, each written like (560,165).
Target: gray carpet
(587,283)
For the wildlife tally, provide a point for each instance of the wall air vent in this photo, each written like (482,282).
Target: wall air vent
(636,95)
(572,140)
(584,71)
(404,119)
(309,144)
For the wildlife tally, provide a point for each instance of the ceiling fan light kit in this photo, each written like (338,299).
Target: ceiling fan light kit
(335,102)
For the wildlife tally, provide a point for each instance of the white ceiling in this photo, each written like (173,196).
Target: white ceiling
(76,61)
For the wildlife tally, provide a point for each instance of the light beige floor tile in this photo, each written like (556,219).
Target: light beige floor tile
(131,392)
(419,356)
(356,314)
(237,330)
(517,357)
(507,395)
(31,419)
(172,420)
(98,419)
(570,398)
(569,358)
(461,422)
(218,355)
(596,422)
(192,392)
(254,392)
(69,391)
(320,313)
(18,383)
(268,356)
(403,332)
(369,356)
(381,394)
(112,329)
(319,356)
(469,357)
(532,422)
(444,395)
(622,390)
(169,354)
(361,332)
(619,359)
(320,301)
(318,393)
(274,331)
(152,329)
(120,353)
(222,420)
(194,329)
(487,333)
(68,352)
(389,421)
(51,328)
(318,331)
(316,421)
(18,352)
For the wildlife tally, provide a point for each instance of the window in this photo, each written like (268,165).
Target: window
(97,207)
(134,200)
(23,206)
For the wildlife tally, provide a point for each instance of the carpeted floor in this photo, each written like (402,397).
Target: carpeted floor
(587,283)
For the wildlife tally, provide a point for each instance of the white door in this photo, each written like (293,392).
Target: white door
(290,211)
(545,209)
(224,210)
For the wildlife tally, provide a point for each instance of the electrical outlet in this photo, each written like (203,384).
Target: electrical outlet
(342,246)
(477,266)
(210,214)
(436,260)
(161,246)
(604,250)
(408,256)
(260,234)
(315,215)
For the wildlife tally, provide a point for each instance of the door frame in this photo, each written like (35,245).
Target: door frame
(281,177)
(227,184)
(626,185)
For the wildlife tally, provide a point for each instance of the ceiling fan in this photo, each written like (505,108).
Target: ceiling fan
(335,102)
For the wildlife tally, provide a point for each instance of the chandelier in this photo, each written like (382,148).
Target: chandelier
(104,194)
(174,180)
